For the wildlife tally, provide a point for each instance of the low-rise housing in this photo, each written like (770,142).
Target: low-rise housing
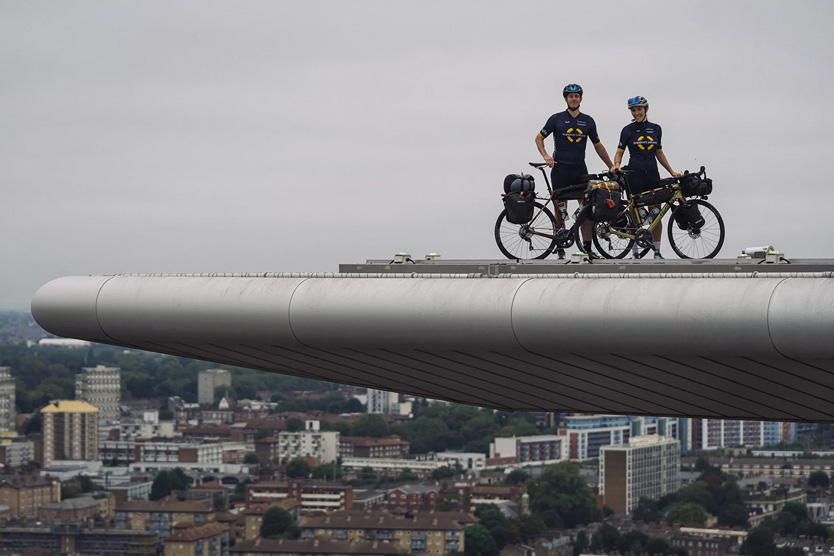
(315,547)
(207,539)
(312,496)
(435,532)
(369,447)
(161,516)
(24,494)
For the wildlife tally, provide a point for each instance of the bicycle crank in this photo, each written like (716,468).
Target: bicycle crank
(643,239)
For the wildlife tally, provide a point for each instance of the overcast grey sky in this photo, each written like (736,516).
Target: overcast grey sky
(207,136)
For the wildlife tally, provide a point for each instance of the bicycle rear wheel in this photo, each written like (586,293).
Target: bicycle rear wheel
(608,243)
(534,240)
(702,243)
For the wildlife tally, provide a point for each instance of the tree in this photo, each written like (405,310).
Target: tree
(530,525)
(657,545)
(448,503)
(328,471)
(502,531)
(686,513)
(516,476)
(479,541)
(734,515)
(605,538)
(251,458)
(699,493)
(633,542)
(759,542)
(295,425)
(819,479)
(646,510)
(298,468)
(276,522)
(168,481)
(560,496)
(441,473)
(370,425)
(161,486)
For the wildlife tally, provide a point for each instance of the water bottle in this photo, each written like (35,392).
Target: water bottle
(642,213)
(655,211)
(563,211)
(576,212)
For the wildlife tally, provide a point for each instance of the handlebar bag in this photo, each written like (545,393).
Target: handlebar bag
(693,185)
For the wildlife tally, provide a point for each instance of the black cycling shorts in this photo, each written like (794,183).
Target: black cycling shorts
(640,181)
(563,175)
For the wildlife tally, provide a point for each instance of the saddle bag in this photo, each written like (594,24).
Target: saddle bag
(520,207)
(518,183)
(689,218)
(604,199)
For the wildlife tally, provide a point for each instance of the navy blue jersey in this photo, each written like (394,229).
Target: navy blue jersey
(642,139)
(570,135)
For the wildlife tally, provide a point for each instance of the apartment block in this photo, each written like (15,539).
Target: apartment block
(712,434)
(101,387)
(208,381)
(16,452)
(586,434)
(647,466)
(526,449)
(7,400)
(311,442)
(70,431)
(382,402)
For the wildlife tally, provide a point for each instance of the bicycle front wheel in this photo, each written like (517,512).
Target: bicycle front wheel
(697,243)
(607,238)
(534,240)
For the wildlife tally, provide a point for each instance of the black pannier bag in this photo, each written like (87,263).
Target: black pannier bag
(689,217)
(604,200)
(654,197)
(516,183)
(693,185)
(520,207)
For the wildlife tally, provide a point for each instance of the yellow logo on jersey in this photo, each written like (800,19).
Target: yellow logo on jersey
(574,135)
(645,142)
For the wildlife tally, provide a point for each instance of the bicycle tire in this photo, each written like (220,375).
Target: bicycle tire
(704,243)
(519,241)
(609,245)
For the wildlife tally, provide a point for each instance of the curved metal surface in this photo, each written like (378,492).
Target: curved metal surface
(732,347)
(727,316)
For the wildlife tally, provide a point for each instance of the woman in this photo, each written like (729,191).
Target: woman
(642,139)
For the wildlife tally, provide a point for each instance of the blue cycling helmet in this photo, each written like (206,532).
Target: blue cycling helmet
(638,102)
(572,88)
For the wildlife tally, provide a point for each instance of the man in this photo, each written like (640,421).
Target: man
(571,132)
